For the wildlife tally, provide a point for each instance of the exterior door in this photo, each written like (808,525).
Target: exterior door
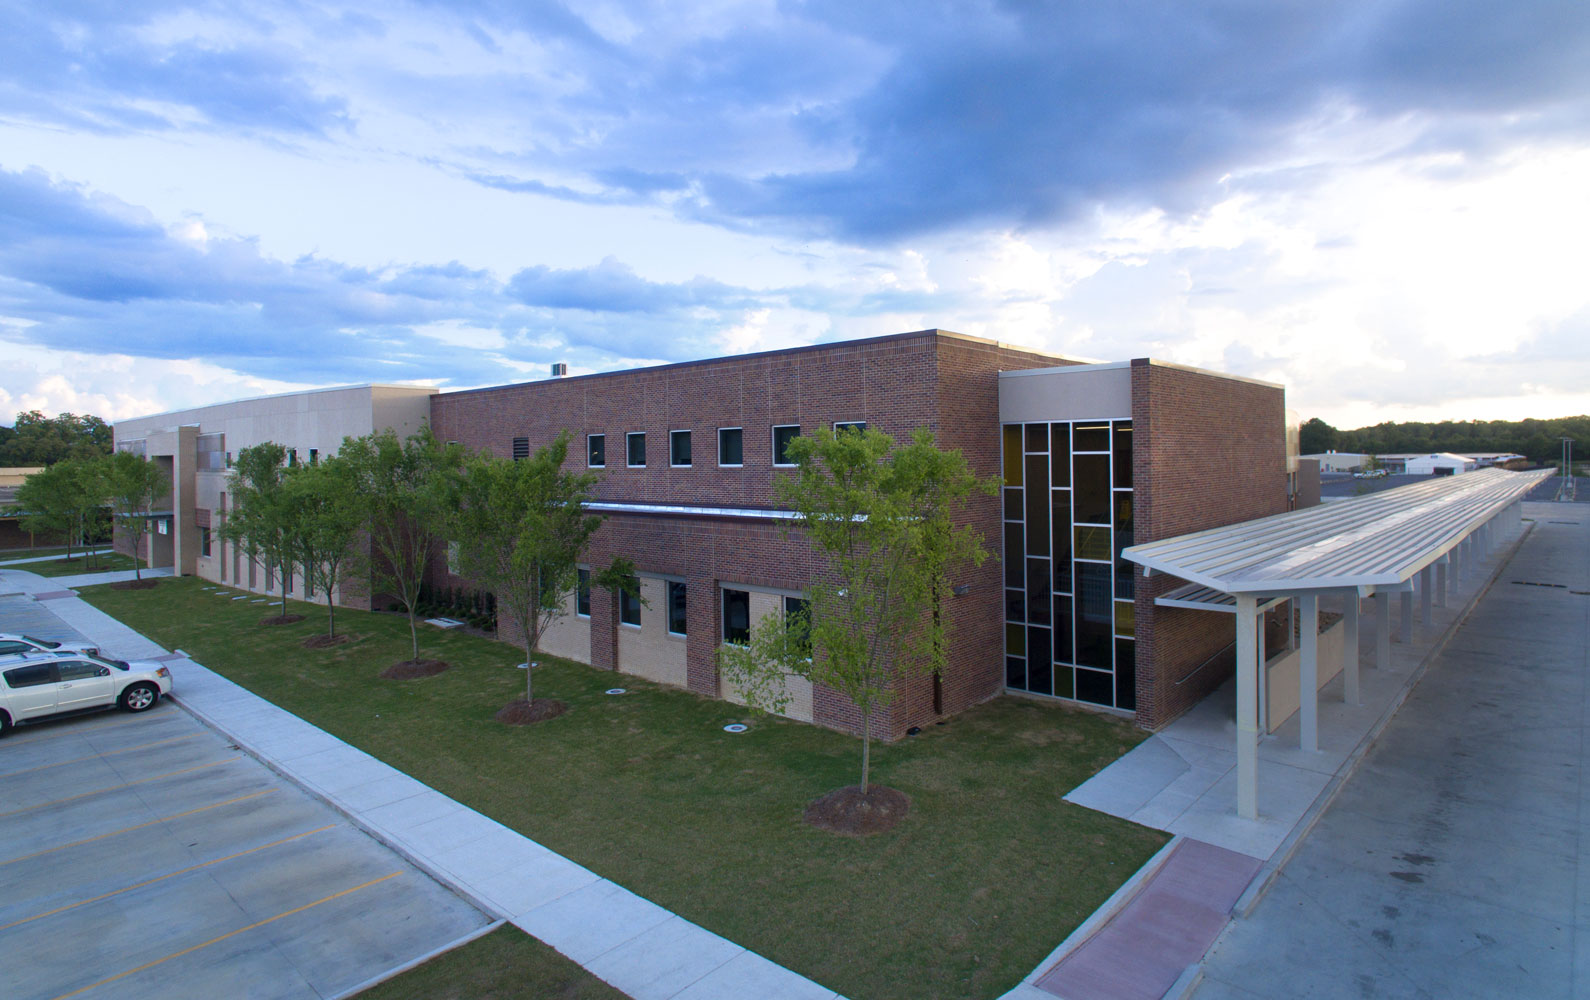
(32,690)
(84,684)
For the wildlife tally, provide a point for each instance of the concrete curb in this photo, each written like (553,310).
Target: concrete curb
(473,935)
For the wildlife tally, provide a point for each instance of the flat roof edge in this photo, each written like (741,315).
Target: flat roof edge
(427,389)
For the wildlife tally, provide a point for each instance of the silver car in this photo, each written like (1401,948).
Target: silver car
(15,642)
(34,686)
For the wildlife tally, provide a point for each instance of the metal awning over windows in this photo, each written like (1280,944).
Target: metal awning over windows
(1200,598)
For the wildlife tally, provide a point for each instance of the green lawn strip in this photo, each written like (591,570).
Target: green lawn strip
(7,555)
(106,562)
(507,963)
(989,872)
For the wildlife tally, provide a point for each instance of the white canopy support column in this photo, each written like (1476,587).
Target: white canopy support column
(1405,633)
(1308,675)
(1426,591)
(1350,647)
(1247,707)
(1383,630)
(1440,582)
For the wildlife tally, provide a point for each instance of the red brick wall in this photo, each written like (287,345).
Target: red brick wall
(1209,450)
(948,384)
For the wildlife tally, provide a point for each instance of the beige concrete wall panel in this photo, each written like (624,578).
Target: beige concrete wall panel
(1282,673)
(569,636)
(797,689)
(1085,394)
(649,651)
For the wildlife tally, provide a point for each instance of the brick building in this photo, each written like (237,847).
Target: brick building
(687,454)
(1094,457)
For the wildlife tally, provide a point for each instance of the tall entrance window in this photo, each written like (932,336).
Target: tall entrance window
(1069,622)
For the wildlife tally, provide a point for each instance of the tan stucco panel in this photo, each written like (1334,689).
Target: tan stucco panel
(649,651)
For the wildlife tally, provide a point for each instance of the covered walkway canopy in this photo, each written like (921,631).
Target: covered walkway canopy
(1371,545)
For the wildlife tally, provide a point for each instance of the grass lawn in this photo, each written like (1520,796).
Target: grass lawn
(985,876)
(6,555)
(105,562)
(507,963)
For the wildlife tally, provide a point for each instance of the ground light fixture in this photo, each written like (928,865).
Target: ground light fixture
(735,727)
(614,691)
(532,665)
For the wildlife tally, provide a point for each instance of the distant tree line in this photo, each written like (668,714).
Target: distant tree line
(40,440)
(1538,440)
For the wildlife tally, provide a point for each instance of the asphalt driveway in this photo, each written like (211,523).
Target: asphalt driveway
(145,856)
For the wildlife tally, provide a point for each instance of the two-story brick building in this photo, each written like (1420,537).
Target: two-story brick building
(1093,458)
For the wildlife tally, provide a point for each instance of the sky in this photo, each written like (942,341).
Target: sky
(1381,204)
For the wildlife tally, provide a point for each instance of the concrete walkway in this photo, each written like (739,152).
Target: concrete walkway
(633,944)
(1455,862)
(1182,780)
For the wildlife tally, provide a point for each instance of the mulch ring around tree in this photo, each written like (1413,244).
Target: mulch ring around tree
(408,670)
(134,584)
(281,620)
(847,811)
(326,641)
(523,713)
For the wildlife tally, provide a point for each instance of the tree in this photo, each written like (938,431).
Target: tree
(522,527)
(1316,437)
(324,503)
(884,518)
(134,486)
(40,440)
(403,485)
(262,519)
(48,505)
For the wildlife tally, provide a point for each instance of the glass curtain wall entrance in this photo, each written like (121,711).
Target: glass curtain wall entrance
(1069,622)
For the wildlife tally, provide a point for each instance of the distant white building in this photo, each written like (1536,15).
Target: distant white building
(1439,464)
(1340,461)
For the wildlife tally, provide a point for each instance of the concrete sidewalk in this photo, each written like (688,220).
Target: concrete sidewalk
(642,949)
(1182,780)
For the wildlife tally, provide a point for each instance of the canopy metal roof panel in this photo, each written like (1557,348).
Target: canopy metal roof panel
(1380,539)
(1200,598)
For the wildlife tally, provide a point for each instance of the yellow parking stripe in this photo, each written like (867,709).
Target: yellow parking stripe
(23,738)
(92,756)
(161,878)
(229,934)
(139,826)
(113,788)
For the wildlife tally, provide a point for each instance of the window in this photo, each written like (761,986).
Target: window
(849,425)
(292,457)
(596,450)
(314,456)
(582,594)
(679,448)
(676,607)
(80,670)
(798,623)
(32,676)
(731,446)
(783,434)
(736,616)
(629,603)
(635,441)
(204,541)
(521,449)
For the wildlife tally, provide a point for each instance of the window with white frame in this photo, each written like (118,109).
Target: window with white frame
(731,446)
(596,450)
(783,434)
(679,449)
(635,446)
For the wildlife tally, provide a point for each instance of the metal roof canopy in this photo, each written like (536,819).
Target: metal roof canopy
(1376,541)
(1200,598)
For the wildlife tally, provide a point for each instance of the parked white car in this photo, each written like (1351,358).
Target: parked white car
(33,686)
(15,642)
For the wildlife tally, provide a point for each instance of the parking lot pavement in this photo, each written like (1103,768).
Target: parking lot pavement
(145,856)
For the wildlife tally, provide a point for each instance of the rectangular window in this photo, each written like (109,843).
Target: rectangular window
(292,457)
(731,446)
(798,623)
(736,616)
(849,425)
(204,541)
(596,450)
(314,456)
(676,607)
(783,434)
(582,594)
(679,449)
(635,442)
(521,449)
(629,603)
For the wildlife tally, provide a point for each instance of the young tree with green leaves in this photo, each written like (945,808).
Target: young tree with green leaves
(329,514)
(262,519)
(48,503)
(522,527)
(885,520)
(404,487)
(134,486)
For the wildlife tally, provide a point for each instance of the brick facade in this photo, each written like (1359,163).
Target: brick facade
(1210,450)
(944,382)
